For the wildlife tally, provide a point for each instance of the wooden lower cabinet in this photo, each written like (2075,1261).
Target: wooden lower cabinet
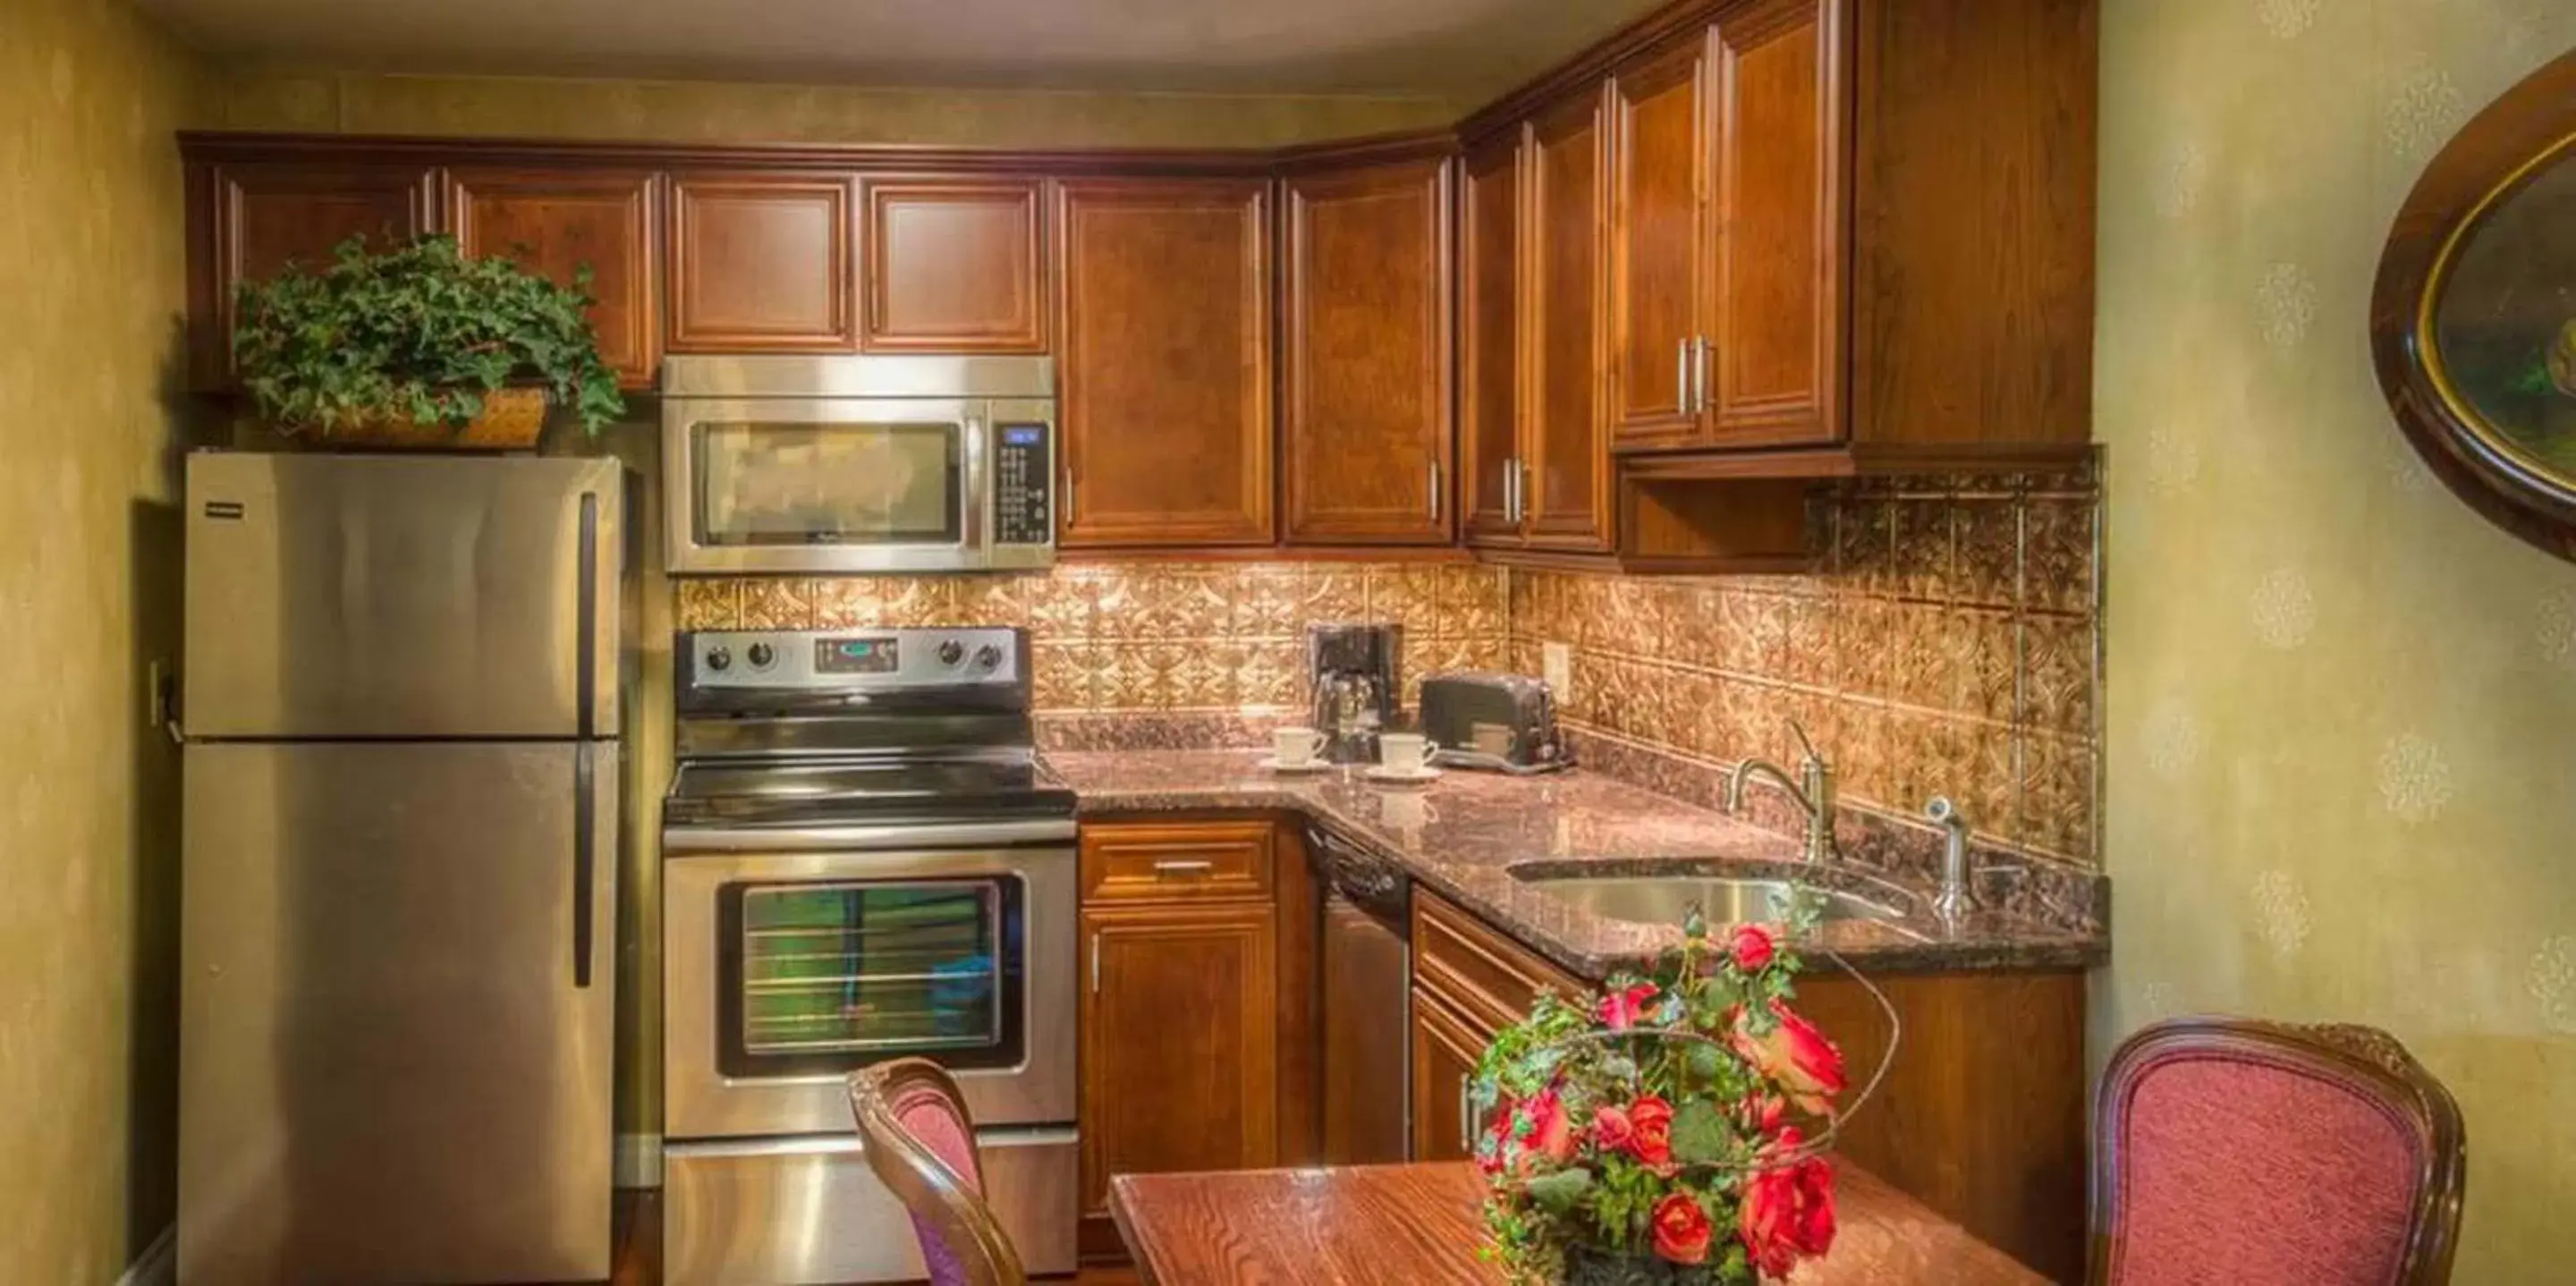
(1180,1048)
(1445,1049)
(1197,1004)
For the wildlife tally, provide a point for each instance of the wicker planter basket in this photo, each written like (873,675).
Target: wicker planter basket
(512,420)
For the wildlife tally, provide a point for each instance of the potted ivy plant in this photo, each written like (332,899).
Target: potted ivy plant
(420,346)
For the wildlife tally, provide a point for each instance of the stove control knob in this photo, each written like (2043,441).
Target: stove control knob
(988,656)
(761,656)
(951,652)
(719,659)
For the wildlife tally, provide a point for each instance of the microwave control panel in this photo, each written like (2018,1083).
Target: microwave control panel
(1023,485)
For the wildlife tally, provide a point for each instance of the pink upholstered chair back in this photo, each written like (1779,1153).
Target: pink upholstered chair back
(921,1143)
(2228,1150)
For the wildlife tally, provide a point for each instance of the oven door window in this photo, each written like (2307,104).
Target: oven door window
(820,978)
(877,483)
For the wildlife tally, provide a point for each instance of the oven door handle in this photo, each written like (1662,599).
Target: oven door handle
(847,839)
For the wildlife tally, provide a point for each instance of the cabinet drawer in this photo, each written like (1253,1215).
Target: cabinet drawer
(1163,861)
(1481,973)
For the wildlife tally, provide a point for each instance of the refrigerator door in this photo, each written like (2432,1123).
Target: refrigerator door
(396,1013)
(392,596)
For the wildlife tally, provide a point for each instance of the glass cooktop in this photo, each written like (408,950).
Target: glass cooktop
(858,792)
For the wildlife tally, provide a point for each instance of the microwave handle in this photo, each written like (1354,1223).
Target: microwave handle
(978,486)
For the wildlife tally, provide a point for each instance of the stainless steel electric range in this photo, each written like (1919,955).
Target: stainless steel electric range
(862,861)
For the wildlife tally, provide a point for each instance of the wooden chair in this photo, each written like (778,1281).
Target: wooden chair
(2230,1150)
(921,1143)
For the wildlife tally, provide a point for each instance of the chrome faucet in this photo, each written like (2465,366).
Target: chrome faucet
(1813,791)
(1956,898)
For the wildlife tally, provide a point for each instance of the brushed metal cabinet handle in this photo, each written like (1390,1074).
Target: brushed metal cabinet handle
(1682,375)
(1178,867)
(1699,373)
(1095,962)
(1433,468)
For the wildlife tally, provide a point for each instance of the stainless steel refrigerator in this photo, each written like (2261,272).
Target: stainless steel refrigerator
(401,696)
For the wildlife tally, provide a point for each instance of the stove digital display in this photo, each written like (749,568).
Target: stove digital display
(855,656)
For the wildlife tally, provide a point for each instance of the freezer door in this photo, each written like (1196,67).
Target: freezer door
(396,1009)
(390,596)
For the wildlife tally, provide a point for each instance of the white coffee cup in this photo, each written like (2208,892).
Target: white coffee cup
(1295,747)
(1405,752)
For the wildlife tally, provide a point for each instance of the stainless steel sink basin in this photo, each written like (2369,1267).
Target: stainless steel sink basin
(1665,899)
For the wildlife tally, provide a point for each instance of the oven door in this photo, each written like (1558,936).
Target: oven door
(827,484)
(784,972)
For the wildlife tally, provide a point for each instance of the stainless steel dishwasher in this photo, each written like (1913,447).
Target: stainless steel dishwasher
(1367,981)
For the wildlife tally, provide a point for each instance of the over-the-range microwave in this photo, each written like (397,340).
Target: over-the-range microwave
(858,464)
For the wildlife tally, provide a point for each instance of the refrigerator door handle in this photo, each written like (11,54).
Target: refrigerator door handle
(586,619)
(585,842)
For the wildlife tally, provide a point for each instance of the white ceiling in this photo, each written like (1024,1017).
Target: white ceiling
(1459,49)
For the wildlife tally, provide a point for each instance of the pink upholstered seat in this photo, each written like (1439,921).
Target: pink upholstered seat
(921,1142)
(2239,1152)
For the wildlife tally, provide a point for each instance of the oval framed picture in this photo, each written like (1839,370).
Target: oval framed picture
(2473,318)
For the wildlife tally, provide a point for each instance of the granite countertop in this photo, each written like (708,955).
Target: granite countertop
(1461,835)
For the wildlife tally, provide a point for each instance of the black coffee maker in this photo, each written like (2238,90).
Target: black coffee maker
(1352,668)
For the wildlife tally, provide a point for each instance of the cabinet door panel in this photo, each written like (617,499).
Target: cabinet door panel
(556,224)
(1658,226)
(1367,417)
(1777,363)
(1445,1049)
(761,264)
(1492,335)
(954,265)
(1164,308)
(267,216)
(1180,1043)
(1567,485)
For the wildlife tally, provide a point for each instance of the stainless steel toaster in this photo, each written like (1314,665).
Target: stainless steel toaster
(1505,722)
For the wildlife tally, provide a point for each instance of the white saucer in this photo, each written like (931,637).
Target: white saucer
(1398,777)
(1270,763)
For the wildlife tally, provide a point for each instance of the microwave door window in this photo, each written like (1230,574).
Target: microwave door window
(829,484)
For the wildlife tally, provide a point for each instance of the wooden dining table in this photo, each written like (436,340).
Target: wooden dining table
(1423,1224)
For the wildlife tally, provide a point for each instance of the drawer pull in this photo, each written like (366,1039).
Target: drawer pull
(1177,867)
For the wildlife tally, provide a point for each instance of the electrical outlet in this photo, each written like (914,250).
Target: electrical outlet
(1556,662)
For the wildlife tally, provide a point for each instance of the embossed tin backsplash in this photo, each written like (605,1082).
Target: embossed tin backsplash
(1150,637)
(1948,644)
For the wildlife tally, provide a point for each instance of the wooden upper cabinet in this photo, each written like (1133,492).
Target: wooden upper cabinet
(1180,1042)
(760,263)
(1565,500)
(1163,306)
(1658,233)
(954,265)
(1776,335)
(556,223)
(1491,335)
(259,218)
(1367,356)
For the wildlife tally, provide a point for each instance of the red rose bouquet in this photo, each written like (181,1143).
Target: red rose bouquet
(1667,1130)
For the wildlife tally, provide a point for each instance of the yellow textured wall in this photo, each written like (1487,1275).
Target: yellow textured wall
(90,293)
(2342,709)
(262,98)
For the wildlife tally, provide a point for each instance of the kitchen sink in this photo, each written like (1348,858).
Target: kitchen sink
(1665,899)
